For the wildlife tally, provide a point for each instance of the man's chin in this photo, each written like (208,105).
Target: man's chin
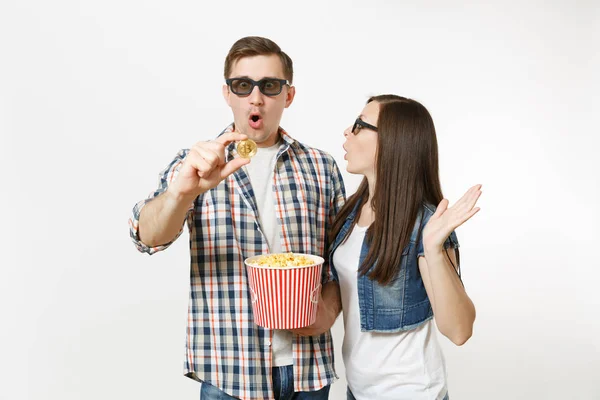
(261,136)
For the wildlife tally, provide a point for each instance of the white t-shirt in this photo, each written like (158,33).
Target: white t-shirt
(385,366)
(260,171)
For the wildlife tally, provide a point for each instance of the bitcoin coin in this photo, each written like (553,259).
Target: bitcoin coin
(246,148)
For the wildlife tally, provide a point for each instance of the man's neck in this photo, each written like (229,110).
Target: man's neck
(271,141)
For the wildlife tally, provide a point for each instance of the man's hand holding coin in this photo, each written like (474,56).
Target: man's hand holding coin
(204,167)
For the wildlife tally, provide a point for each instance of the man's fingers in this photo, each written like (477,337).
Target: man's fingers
(217,147)
(233,166)
(299,332)
(308,331)
(213,159)
(199,164)
(229,137)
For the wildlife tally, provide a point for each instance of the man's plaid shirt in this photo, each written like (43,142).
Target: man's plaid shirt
(224,347)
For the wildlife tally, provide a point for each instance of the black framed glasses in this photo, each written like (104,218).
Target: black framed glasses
(359,124)
(267,86)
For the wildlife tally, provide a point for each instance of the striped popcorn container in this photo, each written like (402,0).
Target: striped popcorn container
(284,297)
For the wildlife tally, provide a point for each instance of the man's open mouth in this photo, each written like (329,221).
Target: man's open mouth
(255,121)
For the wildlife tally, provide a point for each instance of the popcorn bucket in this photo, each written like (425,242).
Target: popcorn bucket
(284,297)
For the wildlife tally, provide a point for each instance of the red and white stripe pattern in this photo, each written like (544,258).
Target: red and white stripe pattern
(284,297)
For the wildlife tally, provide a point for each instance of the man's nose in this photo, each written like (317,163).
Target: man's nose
(256,97)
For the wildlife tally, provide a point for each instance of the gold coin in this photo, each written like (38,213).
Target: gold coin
(246,148)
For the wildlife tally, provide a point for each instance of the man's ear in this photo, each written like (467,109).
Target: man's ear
(291,93)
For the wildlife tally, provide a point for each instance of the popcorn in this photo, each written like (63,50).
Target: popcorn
(280,260)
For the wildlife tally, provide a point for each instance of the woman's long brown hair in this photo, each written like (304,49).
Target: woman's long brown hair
(407,175)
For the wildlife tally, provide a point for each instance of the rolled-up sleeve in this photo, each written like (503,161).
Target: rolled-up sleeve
(166,176)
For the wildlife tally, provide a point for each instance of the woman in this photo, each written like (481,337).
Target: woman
(396,256)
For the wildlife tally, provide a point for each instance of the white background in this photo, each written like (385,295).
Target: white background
(96,97)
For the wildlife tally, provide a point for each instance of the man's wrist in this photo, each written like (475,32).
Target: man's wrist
(178,199)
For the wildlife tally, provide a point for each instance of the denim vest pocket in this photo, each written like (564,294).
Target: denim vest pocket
(391,296)
(388,300)
(403,304)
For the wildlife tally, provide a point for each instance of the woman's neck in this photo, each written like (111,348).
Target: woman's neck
(367,214)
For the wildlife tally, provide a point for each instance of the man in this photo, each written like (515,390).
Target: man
(283,200)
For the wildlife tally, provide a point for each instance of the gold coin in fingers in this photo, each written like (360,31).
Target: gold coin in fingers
(246,148)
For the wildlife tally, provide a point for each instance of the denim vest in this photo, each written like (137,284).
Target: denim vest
(403,304)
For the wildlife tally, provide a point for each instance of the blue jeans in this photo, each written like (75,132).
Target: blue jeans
(283,388)
(350,396)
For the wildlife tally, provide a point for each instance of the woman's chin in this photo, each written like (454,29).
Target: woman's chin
(352,171)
